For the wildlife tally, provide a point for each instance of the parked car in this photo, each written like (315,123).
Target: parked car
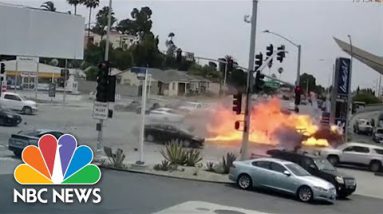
(359,154)
(282,176)
(165,133)
(18,103)
(17,142)
(165,115)
(320,167)
(378,135)
(363,126)
(9,118)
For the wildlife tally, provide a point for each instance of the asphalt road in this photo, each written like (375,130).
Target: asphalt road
(124,192)
(133,193)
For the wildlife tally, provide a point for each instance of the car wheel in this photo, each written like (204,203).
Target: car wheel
(17,153)
(149,138)
(333,159)
(2,121)
(244,181)
(375,166)
(305,194)
(27,110)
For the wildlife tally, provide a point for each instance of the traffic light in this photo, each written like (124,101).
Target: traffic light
(298,92)
(281,53)
(269,50)
(237,125)
(259,82)
(102,82)
(179,55)
(2,71)
(237,103)
(111,88)
(64,73)
(258,60)
(230,64)
(221,64)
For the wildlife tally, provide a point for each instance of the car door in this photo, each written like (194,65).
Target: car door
(12,102)
(356,155)
(261,172)
(173,134)
(279,180)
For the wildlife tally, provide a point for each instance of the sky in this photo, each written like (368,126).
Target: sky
(215,28)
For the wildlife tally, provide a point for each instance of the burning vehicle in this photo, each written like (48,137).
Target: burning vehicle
(272,126)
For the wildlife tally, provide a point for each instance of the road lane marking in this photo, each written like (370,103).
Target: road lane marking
(199,207)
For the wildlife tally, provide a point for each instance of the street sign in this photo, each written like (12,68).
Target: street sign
(52,90)
(100,110)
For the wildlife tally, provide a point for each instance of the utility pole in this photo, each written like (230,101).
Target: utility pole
(100,144)
(299,65)
(225,76)
(246,128)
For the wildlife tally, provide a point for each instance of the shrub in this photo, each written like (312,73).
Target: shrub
(163,166)
(210,166)
(193,157)
(116,158)
(175,153)
(228,162)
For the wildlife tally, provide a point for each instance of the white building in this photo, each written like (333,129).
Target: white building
(117,39)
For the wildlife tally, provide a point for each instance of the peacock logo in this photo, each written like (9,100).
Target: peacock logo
(57,162)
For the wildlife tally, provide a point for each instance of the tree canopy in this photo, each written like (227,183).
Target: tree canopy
(102,21)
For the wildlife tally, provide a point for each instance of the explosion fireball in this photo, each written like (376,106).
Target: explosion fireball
(269,125)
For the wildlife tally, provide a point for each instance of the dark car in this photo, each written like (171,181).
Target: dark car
(165,133)
(9,118)
(378,135)
(320,167)
(17,142)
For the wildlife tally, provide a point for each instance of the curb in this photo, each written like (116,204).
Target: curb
(168,176)
(379,174)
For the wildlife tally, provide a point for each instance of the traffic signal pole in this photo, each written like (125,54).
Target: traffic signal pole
(100,143)
(245,136)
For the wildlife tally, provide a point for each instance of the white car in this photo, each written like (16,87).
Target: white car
(190,106)
(18,103)
(165,115)
(356,154)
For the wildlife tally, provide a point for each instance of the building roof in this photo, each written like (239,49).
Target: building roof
(171,75)
(10,65)
(371,60)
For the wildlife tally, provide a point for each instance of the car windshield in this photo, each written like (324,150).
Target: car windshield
(323,164)
(297,170)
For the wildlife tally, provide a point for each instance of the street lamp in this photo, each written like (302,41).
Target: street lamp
(299,53)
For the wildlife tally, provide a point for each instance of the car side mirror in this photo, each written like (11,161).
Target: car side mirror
(287,173)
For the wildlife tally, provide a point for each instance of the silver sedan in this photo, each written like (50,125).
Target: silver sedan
(283,176)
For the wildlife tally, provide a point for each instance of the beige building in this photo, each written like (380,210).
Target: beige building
(117,39)
(168,82)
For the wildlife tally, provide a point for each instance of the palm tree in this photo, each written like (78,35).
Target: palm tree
(74,3)
(49,6)
(91,4)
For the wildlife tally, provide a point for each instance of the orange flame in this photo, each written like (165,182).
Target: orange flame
(266,118)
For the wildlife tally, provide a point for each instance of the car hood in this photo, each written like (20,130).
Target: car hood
(314,181)
(30,102)
(11,113)
(336,173)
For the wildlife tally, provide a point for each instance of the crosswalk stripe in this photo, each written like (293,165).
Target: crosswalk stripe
(199,207)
